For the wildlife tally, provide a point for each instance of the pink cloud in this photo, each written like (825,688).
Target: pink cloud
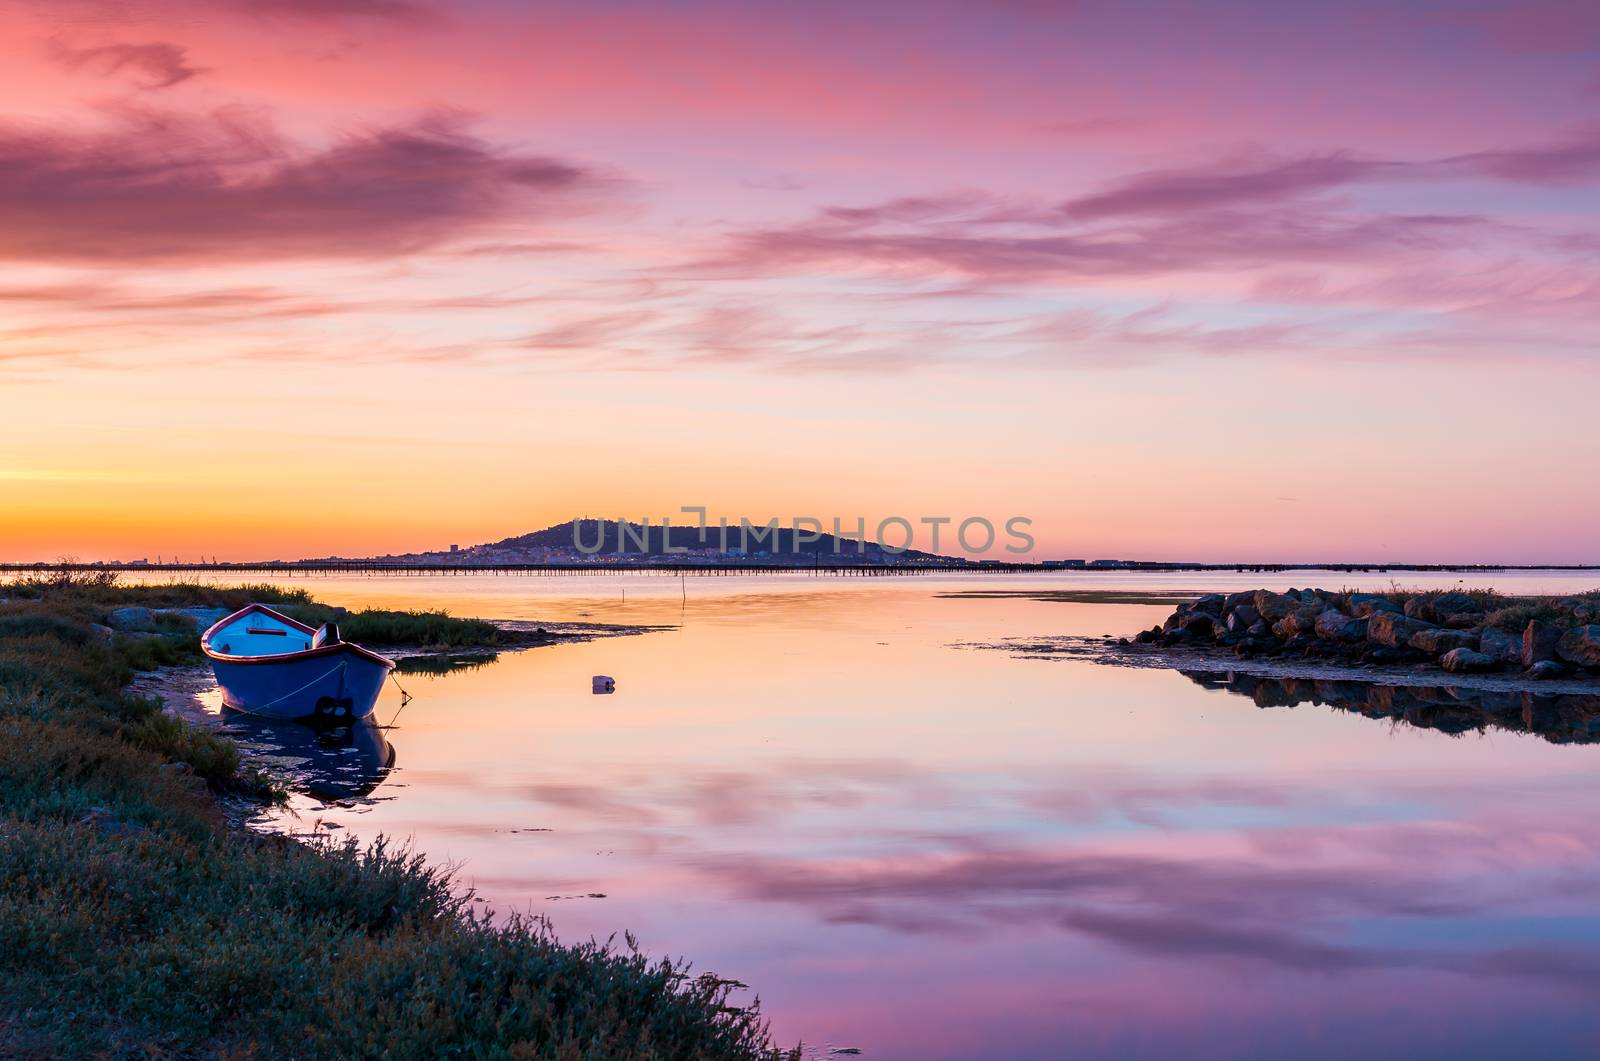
(1182,191)
(983,238)
(168,187)
(154,65)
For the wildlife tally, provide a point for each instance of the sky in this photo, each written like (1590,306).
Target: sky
(1227,281)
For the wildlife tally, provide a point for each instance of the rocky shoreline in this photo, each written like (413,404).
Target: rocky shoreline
(1538,638)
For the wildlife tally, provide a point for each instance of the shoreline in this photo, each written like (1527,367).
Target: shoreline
(141,910)
(1111,652)
(1478,640)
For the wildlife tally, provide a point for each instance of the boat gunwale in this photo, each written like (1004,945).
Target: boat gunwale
(283,657)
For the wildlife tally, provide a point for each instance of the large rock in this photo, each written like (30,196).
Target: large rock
(1419,607)
(1201,624)
(132,619)
(1580,645)
(1233,600)
(1211,602)
(1243,616)
(1582,610)
(1546,669)
(1274,606)
(1362,605)
(1301,621)
(1500,646)
(1466,661)
(1539,642)
(1455,604)
(1438,642)
(1387,628)
(1334,625)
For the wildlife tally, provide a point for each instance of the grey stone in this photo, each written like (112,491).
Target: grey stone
(1301,622)
(1233,600)
(1580,645)
(1419,607)
(1439,641)
(1466,661)
(1243,616)
(1363,605)
(1500,646)
(1546,669)
(1539,642)
(1274,606)
(1387,628)
(1334,625)
(1454,603)
(132,619)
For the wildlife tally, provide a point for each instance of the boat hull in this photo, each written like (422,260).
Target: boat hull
(337,685)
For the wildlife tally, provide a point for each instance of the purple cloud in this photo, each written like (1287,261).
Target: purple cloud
(163,187)
(1185,191)
(1000,243)
(1576,159)
(155,65)
(323,9)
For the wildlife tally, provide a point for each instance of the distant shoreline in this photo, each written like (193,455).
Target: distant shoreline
(812,566)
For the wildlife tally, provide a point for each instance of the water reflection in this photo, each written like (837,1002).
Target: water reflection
(435,664)
(1560,719)
(929,853)
(329,762)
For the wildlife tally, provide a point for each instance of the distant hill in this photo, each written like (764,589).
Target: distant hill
(616,539)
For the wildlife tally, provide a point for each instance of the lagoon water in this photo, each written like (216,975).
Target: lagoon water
(922,850)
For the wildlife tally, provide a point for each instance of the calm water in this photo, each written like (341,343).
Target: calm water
(921,850)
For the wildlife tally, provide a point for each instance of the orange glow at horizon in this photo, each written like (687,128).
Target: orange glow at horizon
(456,274)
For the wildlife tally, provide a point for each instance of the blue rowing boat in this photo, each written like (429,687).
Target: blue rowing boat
(268,664)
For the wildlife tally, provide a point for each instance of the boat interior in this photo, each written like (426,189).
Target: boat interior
(260,632)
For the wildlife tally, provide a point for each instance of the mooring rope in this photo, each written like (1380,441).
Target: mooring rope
(337,667)
(405,698)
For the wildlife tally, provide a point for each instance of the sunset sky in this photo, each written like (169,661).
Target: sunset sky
(1262,280)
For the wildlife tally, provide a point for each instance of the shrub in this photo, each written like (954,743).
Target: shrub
(1515,618)
(429,629)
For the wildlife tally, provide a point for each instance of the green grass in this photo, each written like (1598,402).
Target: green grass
(1504,612)
(1514,618)
(103,589)
(423,629)
(1487,599)
(134,922)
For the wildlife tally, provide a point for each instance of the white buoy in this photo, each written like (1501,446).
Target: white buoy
(604,684)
